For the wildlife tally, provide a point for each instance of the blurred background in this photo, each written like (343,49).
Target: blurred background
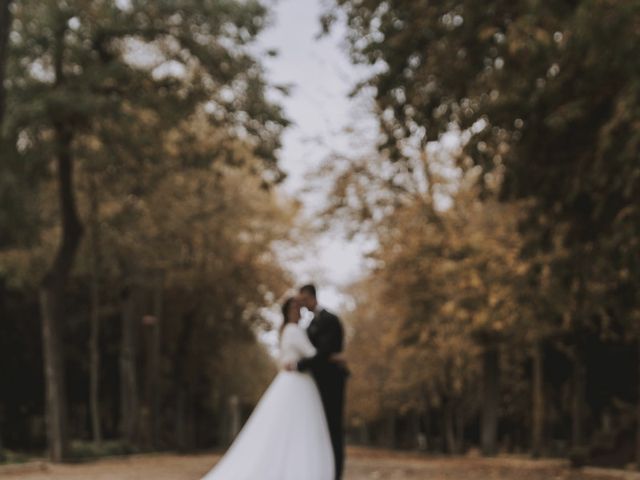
(461,179)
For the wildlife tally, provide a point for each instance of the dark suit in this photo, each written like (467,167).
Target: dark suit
(327,335)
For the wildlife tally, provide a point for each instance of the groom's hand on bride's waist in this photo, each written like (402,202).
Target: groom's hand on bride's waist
(339,358)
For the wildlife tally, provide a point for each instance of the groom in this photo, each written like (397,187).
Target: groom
(326,334)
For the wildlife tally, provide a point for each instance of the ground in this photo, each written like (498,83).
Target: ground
(363,464)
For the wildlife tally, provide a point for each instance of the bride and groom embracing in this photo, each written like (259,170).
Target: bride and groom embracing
(295,431)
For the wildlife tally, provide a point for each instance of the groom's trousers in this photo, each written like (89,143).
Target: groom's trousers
(326,334)
(332,391)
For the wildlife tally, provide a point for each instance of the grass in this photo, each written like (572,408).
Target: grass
(9,457)
(83,451)
(80,451)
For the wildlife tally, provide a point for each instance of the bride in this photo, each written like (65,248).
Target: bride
(286,437)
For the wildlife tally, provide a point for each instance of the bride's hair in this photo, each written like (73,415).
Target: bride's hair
(285,313)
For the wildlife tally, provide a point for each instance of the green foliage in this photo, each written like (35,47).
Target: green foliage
(124,76)
(173,140)
(85,451)
(543,95)
(437,293)
(543,98)
(10,457)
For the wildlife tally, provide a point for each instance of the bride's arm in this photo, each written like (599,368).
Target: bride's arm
(304,345)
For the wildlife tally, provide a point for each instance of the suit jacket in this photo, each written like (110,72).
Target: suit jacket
(327,335)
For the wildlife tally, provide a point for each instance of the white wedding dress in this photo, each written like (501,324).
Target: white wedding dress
(286,437)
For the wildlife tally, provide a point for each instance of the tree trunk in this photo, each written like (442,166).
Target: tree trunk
(235,420)
(5,26)
(152,367)
(128,371)
(638,414)
(428,431)
(490,400)
(55,279)
(577,433)
(416,431)
(55,400)
(460,422)
(364,436)
(2,454)
(52,297)
(2,414)
(537,440)
(181,379)
(94,339)
(449,427)
(158,312)
(181,421)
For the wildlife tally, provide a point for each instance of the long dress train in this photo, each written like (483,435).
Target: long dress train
(286,437)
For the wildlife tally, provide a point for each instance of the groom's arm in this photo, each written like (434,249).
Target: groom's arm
(328,342)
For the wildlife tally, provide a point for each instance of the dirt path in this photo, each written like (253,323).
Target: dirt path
(362,465)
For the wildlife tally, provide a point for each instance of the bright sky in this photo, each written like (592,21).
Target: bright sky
(321,76)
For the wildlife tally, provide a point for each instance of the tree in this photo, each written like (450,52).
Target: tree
(94,340)
(538,100)
(212,231)
(73,74)
(445,287)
